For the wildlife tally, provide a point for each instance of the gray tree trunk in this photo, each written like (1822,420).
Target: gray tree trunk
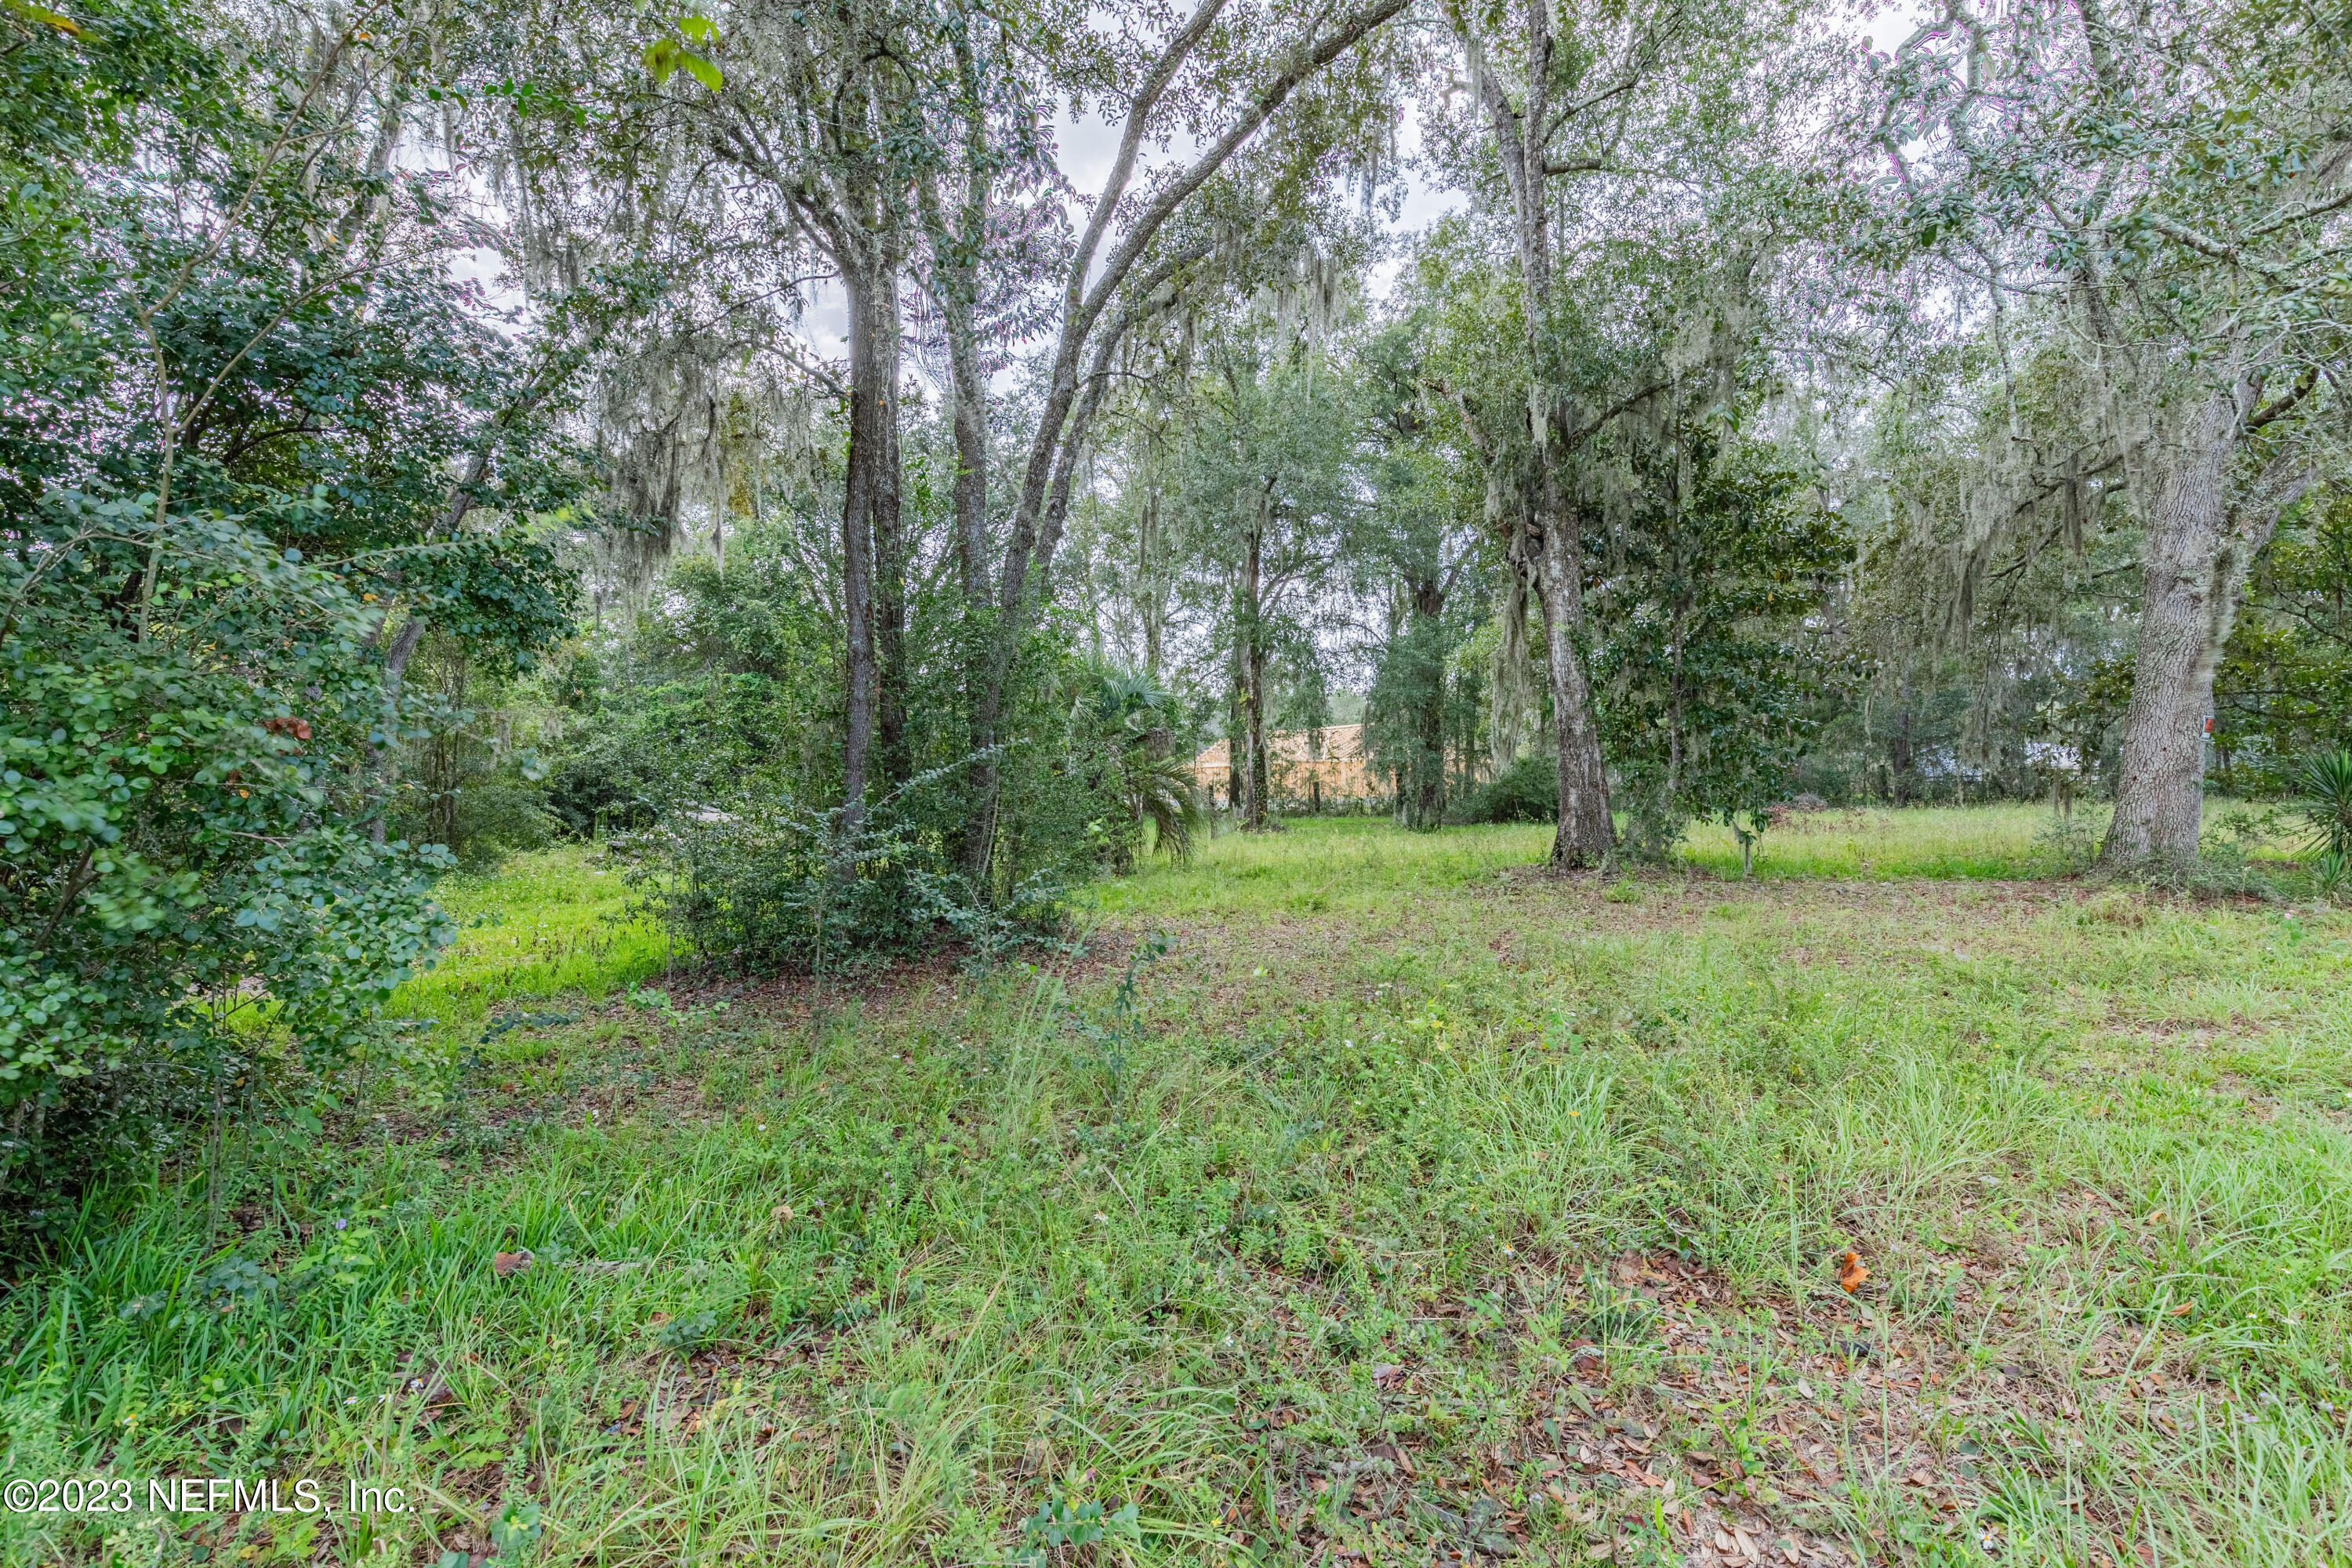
(1088,297)
(2197,559)
(970,398)
(1252,677)
(1585,833)
(873,398)
(894,758)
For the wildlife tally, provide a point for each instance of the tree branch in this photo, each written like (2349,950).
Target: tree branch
(2285,401)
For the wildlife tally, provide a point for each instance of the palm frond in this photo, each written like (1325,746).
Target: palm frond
(1160,791)
(2327,781)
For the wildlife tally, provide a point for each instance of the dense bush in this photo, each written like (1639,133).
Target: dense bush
(702,735)
(683,738)
(181,900)
(2285,686)
(1528,790)
(236,382)
(1706,677)
(757,883)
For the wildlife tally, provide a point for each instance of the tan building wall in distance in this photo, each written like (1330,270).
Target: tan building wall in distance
(1297,769)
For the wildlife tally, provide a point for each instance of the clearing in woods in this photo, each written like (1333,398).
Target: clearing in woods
(1351,1197)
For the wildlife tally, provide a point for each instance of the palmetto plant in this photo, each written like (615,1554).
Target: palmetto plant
(1160,790)
(2327,781)
(1133,710)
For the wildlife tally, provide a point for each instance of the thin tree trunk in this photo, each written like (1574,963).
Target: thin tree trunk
(870,399)
(968,402)
(1260,773)
(970,392)
(1429,720)
(1237,726)
(895,761)
(956,260)
(1585,833)
(1252,677)
(1147,540)
(2196,568)
(1089,294)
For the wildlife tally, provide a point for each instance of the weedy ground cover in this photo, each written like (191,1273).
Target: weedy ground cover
(1352,1197)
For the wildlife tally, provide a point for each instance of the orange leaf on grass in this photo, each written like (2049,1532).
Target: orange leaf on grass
(503,1264)
(1850,1272)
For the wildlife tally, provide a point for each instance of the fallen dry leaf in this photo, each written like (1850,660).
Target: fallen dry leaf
(1852,1272)
(504,1263)
(2183,1310)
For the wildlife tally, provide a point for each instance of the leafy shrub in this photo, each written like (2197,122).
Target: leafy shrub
(227,460)
(755,880)
(179,900)
(1528,790)
(1708,684)
(674,741)
(481,823)
(2066,844)
(597,790)
(2219,870)
(1123,719)
(496,818)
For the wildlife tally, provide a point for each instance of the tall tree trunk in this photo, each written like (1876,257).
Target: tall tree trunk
(1260,775)
(2197,564)
(968,390)
(1236,729)
(1250,632)
(1147,541)
(1061,425)
(1427,641)
(873,364)
(1585,833)
(958,248)
(895,759)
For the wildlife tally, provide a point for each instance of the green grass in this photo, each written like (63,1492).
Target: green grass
(1984,841)
(1362,1192)
(548,924)
(1359,861)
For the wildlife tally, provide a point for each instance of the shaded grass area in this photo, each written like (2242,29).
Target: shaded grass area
(1364,1198)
